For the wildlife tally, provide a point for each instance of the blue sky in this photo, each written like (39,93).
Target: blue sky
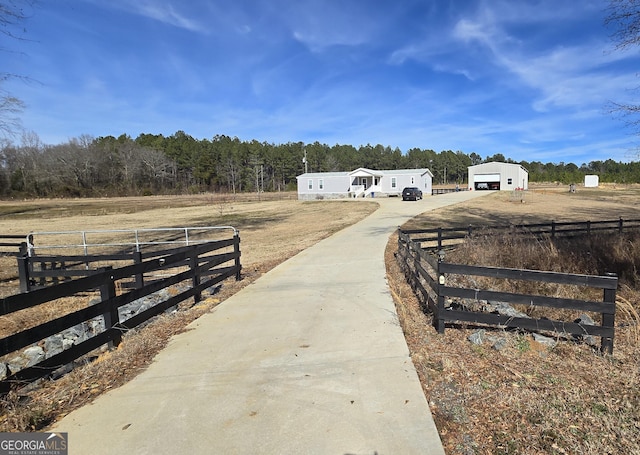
(528,79)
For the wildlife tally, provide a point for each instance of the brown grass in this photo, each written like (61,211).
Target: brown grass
(527,398)
(270,231)
(524,399)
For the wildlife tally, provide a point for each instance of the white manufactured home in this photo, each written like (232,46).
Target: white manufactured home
(362,182)
(498,176)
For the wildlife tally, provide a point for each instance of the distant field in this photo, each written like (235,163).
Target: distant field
(542,203)
(271,229)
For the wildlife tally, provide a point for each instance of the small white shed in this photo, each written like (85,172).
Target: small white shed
(591,181)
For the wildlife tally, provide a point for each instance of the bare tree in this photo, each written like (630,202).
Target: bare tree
(623,18)
(10,107)
(130,164)
(24,165)
(12,15)
(156,167)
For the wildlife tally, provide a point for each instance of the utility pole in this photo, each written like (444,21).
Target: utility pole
(304,160)
(257,187)
(257,168)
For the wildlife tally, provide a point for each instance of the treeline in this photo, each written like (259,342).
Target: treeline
(152,164)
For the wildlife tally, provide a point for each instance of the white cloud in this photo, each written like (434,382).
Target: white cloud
(167,14)
(575,76)
(158,10)
(319,24)
(467,30)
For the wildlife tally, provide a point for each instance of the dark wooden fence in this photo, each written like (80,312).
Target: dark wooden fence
(429,275)
(39,271)
(436,191)
(202,266)
(10,244)
(438,238)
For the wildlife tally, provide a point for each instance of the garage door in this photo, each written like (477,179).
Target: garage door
(486,178)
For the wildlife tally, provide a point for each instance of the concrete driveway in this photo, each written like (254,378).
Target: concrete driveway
(309,359)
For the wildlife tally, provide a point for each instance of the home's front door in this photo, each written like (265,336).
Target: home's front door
(363,182)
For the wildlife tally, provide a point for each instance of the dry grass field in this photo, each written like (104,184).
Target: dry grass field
(270,230)
(528,398)
(525,398)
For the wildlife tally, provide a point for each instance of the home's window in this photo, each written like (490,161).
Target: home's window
(509,181)
(310,184)
(321,184)
(394,183)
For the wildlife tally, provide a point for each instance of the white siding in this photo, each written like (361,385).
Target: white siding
(331,185)
(486,178)
(511,176)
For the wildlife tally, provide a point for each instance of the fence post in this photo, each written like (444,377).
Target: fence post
(589,228)
(111,317)
(54,266)
(620,224)
(43,278)
(553,229)
(403,247)
(608,320)
(193,264)
(438,318)
(439,238)
(23,268)
(137,259)
(236,250)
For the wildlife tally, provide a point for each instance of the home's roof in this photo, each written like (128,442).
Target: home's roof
(495,164)
(407,171)
(323,174)
(364,172)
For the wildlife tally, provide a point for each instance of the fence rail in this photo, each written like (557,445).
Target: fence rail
(438,238)
(429,276)
(205,268)
(10,244)
(51,257)
(126,239)
(436,191)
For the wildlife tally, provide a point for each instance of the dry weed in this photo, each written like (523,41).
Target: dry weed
(527,398)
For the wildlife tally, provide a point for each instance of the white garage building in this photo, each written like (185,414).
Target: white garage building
(498,176)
